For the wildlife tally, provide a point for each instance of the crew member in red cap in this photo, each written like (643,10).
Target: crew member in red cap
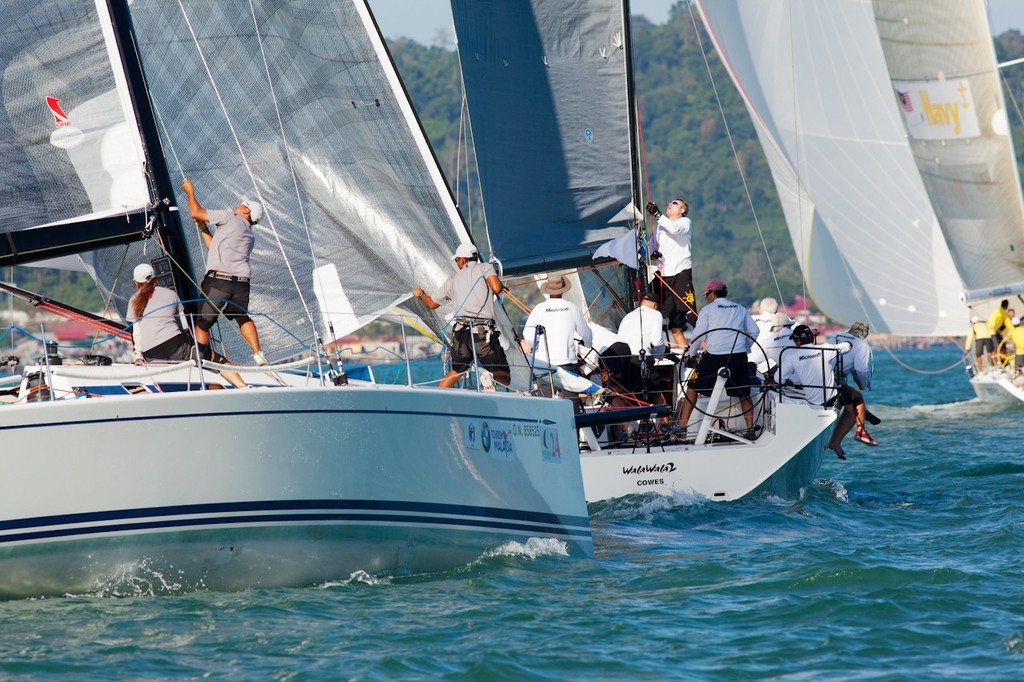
(727,333)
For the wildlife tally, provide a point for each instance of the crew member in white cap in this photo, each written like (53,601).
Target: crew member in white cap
(472,289)
(770,342)
(159,329)
(226,284)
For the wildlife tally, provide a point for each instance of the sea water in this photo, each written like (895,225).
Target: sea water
(905,562)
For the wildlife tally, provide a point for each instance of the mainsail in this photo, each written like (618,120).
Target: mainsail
(297,105)
(814,79)
(946,86)
(547,85)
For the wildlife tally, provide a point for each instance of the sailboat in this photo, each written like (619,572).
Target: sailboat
(112,471)
(550,98)
(843,111)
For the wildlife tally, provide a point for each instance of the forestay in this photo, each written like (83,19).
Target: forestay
(944,75)
(548,95)
(813,76)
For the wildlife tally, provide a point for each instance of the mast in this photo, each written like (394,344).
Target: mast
(166,217)
(634,157)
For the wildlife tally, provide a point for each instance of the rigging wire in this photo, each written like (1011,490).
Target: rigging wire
(238,142)
(735,152)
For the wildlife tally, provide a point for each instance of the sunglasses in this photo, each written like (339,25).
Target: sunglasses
(675,203)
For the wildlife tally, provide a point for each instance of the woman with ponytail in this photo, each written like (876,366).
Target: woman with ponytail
(159,329)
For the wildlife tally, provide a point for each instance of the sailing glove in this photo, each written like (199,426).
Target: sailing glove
(656,255)
(653,209)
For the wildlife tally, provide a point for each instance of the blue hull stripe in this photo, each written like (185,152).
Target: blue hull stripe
(240,413)
(290,511)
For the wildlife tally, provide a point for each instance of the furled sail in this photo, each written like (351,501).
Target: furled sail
(297,105)
(814,79)
(74,172)
(946,87)
(548,95)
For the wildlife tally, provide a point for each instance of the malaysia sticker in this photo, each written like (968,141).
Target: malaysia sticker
(65,136)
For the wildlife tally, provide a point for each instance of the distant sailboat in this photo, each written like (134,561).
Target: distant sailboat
(886,205)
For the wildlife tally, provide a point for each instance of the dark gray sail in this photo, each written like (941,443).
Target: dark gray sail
(548,95)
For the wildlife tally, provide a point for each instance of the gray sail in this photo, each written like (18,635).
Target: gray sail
(546,85)
(298,105)
(69,143)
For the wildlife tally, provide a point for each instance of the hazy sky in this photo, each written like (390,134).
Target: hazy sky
(429,21)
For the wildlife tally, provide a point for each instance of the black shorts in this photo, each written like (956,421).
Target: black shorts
(178,349)
(982,346)
(706,373)
(181,348)
(489,352)
(678,312)
(230,298)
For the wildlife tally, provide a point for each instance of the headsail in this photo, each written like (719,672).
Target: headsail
(813,77)
(946,86)
(548,94)
(69,143)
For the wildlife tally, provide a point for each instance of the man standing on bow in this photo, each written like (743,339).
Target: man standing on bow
(473,289)
(670,246)
(226,284)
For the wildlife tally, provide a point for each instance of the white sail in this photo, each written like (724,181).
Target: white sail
(945,83)
(813,77)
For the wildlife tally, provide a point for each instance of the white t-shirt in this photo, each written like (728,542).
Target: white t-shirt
(765,353)
(727,318)
(811,369)
(642,328)
(232,244)
(562,322)
(672,238)
(859,362)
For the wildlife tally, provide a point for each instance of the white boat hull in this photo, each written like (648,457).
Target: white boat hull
(996,386)
(783,460)
(234,489)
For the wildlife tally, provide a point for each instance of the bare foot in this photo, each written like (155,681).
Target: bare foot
(840,453)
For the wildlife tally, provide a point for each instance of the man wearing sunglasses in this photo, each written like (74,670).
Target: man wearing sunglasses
(670,248)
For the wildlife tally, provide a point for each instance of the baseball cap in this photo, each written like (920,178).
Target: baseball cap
(465,251)
(803,333)
(860,329)
(780,320)
(143,273)
(713,285)
(255,209)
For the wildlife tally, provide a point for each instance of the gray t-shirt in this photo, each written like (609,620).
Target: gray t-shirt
(468,290)
(161,320)
(233,240)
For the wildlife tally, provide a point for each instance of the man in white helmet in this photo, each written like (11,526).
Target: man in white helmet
(472,289)
(226,284)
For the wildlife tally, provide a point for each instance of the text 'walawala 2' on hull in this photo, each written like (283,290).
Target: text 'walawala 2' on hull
(113,469)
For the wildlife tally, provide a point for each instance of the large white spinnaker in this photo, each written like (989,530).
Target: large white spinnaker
(813,77)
